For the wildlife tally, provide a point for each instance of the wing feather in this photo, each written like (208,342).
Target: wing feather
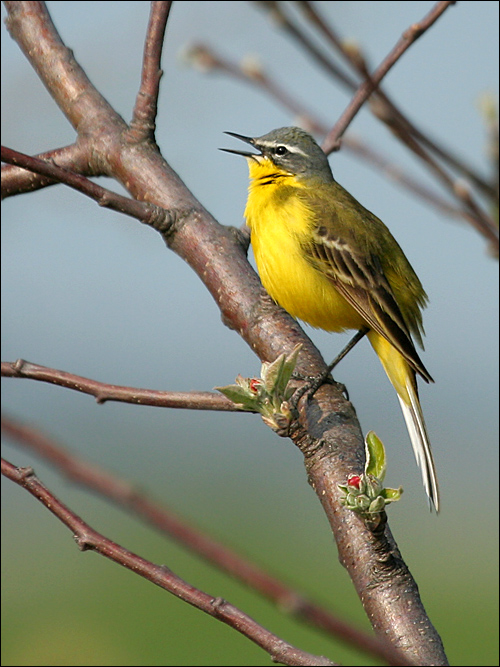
(359,277)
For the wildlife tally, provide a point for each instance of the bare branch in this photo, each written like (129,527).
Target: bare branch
(125,495)
(364,91)
(189,400)
(284,22)
(146,213)
(89,539)
(388,112)
(478,218)
(472,211)
(333,448)
(142,126)
(207,59)
(29,23)
(17,181)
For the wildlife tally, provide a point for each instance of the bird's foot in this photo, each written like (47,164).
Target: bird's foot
(312,384)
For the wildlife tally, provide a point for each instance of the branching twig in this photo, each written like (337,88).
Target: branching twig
(479,218)
(387,111)
(284,22)
(333,448)
(364,91)
(366,88)
(353,55)
(89,539)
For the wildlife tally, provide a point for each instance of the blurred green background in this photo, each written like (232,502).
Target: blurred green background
(95,293)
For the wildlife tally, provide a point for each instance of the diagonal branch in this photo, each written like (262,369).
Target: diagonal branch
(283,21)
(483,223)
(206,59)
(31,26)
(17,181)
(125,495)
(388,111)
(364,91)
(146,213)
(89,539)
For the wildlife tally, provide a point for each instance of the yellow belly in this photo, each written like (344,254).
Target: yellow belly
(288,277)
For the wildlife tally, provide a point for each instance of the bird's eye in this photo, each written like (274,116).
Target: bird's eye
(281,150)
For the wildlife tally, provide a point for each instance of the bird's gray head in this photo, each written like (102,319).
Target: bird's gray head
(291,149)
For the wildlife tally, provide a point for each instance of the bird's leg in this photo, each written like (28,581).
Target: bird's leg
(354,341)
(315,383)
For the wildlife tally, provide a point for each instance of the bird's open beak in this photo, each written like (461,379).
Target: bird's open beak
(247,140)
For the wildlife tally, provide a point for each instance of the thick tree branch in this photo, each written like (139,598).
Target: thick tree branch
(30,25)
(328,432)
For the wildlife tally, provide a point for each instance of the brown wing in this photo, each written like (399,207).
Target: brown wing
(359,277)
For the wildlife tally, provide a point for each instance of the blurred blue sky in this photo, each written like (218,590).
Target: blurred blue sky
(97,294)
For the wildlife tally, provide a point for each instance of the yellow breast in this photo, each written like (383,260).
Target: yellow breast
(280,223)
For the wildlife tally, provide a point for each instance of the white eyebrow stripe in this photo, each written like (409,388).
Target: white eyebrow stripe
(291,149)
(296,149)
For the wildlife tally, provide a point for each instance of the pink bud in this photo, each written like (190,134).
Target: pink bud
(354,480)
(254,384)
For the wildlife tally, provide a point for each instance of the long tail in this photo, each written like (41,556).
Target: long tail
(421,446)
(404,381)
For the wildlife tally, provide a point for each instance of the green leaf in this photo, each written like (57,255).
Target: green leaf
(376,464)
(239,396)
(287,370)
(277,374)
(271,373)
(268,395)
(392,495)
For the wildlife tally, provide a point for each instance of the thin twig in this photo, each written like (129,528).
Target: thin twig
(89,539)
(473,213)
(142,126)
(333,448)
(147,213)
(17,181)
(393,117)
(389,112)
(282,20)
(364,91)
(189,400)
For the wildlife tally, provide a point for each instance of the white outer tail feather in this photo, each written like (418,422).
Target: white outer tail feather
(420,442)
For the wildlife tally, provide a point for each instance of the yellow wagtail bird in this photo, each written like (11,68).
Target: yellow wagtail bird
(328,261)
